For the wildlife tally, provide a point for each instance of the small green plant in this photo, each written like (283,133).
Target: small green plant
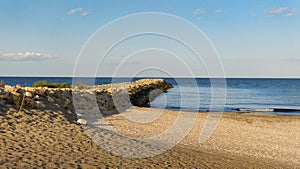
(21,101)
(51,85)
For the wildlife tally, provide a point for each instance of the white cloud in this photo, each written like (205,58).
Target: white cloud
(282,11)
(277,11)
(199,11)
(292,12)
(219,11)
(85,13)
(73,11)
(26,56)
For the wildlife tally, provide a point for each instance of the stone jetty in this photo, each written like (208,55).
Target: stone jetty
(110,98)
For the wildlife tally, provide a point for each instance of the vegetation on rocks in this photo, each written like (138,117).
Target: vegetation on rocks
(51,85)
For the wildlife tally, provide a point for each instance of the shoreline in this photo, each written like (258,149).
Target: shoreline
(278,113)
(277,106)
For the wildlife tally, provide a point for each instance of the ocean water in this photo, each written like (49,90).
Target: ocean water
(275,96)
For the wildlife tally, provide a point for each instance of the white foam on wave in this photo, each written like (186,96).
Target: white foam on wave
(255,109)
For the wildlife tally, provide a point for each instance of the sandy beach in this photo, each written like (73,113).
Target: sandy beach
(49,139)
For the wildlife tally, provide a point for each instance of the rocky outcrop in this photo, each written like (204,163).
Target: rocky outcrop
(117,97)
(109,98)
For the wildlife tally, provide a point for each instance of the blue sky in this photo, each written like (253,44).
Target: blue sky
(253,38)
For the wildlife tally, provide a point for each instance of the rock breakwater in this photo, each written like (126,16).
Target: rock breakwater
(109,98)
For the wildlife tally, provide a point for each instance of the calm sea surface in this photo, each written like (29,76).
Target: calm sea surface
(276,96)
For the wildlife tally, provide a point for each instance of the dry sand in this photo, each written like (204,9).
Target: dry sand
(48,139)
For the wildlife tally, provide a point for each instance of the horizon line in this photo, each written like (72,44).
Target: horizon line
(181,77)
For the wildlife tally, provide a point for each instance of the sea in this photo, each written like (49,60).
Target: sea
(261,95)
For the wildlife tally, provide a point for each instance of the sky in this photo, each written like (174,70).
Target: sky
(253,38)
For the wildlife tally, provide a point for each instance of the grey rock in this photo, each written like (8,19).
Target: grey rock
(36,97)
(50,99)
(39,104)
